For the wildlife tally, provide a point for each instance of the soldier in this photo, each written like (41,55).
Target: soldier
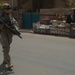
(69,19)
(6,35)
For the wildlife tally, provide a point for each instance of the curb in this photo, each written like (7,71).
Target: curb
(26,31)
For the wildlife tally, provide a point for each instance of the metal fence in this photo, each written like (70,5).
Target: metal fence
(28,19)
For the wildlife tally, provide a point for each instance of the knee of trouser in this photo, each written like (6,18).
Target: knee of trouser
(6,49)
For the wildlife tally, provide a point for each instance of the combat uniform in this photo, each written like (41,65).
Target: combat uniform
(6,37)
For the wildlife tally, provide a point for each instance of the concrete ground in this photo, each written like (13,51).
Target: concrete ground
(37,54)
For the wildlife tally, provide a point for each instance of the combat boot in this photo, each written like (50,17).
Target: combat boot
(9,66)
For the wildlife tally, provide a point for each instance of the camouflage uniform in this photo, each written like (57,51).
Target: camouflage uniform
(6,38)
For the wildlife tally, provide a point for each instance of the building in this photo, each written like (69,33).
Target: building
(36,5)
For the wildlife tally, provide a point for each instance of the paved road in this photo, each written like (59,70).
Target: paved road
(42,55)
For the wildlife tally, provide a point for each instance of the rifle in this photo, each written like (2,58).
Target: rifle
(12,29)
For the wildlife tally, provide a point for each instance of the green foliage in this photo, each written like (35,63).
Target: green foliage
(1,6)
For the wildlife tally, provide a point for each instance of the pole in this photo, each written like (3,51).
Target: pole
(12,7)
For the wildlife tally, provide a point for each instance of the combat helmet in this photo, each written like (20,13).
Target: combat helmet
(6,6)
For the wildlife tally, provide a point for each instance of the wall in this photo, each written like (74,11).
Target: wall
(27,5)
(59,4)
(53,13)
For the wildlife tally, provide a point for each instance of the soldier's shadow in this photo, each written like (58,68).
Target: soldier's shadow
(4,71)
